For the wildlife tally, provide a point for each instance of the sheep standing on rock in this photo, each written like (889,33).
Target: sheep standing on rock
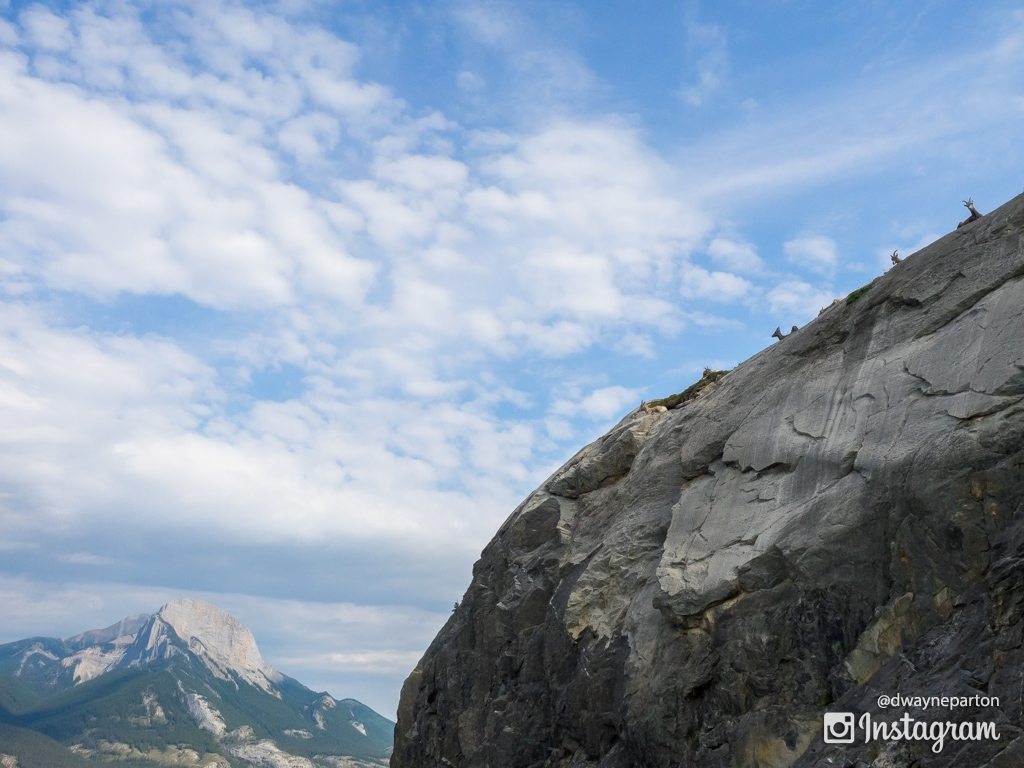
(778,334)
(969,205)
(823,310)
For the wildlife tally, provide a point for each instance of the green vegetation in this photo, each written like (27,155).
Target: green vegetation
(108,709)
(15,697)
(854,295)
(693,391)
(34,750)
(111,710)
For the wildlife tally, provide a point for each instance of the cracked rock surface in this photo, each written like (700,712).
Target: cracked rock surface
(839,517)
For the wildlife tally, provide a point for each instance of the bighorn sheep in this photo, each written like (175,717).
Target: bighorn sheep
(895,257)
(969,205)
(823,310)
(778,334)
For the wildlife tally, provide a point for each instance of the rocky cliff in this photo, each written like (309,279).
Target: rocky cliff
(216,637)
(839,517)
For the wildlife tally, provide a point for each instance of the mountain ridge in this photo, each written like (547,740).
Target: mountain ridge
(185,685)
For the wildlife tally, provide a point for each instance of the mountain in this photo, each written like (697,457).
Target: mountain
(838,518)
(186,686)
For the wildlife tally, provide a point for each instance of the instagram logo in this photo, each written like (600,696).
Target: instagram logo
(839,727)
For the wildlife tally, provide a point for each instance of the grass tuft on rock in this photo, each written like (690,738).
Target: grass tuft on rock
(691,392)
(854,295)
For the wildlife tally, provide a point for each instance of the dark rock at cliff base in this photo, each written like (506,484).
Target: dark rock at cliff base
(841,516)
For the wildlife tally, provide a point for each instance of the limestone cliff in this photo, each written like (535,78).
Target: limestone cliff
(216,637)
(840,516)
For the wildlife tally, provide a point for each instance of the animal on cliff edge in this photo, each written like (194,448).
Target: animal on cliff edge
(969,205)
(778,334)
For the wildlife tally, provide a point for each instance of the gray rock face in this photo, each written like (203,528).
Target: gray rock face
(216,637)
(839,517)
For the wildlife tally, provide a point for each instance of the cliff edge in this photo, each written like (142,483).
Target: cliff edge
(839,517)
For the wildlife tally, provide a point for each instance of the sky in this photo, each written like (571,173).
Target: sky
(298,300)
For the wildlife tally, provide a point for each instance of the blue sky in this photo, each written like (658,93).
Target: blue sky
(300,299)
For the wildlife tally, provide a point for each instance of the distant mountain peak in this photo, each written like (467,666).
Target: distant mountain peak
(216,637)
(125,627)
(182,628)
(190,681)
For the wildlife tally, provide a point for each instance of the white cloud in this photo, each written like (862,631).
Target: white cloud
(395,662)
(423,173)
(796,300)
(912,239)
(850,130)
(593,186)
(495,24)
(103,427)
(637,344)
(556,339)
(547,239)
(86,558)
(700,283)
(579,284)
(308,137)
(97,202)
(709,50)
(544,73)
(46,29)
(470,81)
(814,252)
(8,34)
(735,254)
(70,399)
(600,404)
(704,319)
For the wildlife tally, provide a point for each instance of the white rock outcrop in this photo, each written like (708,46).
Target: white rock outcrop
(218,639)
(204,714)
